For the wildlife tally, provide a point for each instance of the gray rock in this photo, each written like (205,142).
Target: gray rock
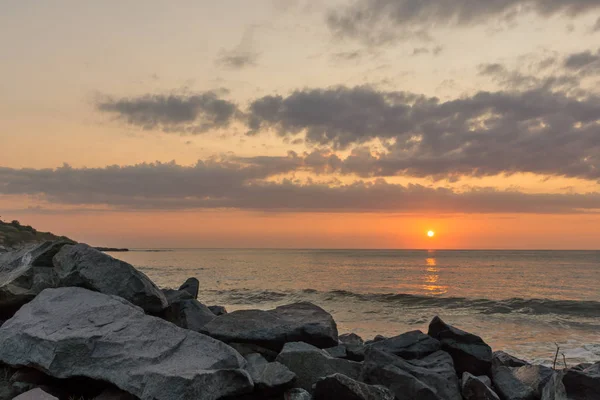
(114,394)
(338,351)
(248,348)
(269,377)
(217,310)
(473,388)
(409,345)
(72,331)
(500,358)
(25,273)
(582,382)
(35,394)
(469,352)
(310,363)
(555,389)
(355,346)
(430,378)
(174,296)
(297,394)
(303,322)
(188,314)
(338,386)
(376,339)
(485,379)
(351,338)
(84,266)
(514,385)
(191,285)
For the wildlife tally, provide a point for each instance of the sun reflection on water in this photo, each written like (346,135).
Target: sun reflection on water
(432,277)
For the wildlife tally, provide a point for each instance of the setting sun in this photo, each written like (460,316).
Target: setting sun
(431,234)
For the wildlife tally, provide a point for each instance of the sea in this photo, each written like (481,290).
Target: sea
(528,303)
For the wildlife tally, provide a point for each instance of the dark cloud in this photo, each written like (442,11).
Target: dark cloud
(586,62)
(237,59)
(173,113)
(596,27)
(517,80)
(380,21)
(229,184)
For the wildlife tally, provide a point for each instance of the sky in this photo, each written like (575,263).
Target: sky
(303,124)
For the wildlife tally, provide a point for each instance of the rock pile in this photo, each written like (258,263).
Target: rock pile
(77,323)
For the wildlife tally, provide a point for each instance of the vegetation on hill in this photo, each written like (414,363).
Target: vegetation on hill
(13,234)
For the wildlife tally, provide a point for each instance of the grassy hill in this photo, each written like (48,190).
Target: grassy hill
(13,234)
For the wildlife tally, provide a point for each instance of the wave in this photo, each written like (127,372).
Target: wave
(484,306)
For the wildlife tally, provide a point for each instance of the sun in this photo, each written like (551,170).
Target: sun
(431,234)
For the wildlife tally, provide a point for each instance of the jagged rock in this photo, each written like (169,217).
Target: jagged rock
(521,383)
(555,389)
(338,351)
(469,352)
(377,338)
(274,328)
(84,266)
(297,394)
(191,285)
(338,386)
(409,345)
(582,382)
(25,273)
(500,358)
(269,377)
(473,388)
(73,331)
(248,348)
(355,346)
(217,310)
(174,296)
(310,363)
(35,394)
(351,338)
(187,313)
(430,378)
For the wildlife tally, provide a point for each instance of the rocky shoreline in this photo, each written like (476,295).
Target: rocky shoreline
(77,323)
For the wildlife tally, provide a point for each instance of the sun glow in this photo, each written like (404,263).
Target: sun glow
(431,234)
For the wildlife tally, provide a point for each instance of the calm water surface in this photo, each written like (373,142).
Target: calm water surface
(519,301)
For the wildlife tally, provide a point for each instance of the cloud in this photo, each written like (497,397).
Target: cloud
(233,184)
(586,62)
(425,50)
(243,55)
(173,113)
(596,27)
(381,21)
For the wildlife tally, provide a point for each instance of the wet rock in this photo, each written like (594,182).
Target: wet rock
(35,394)
(72,331)
(338,386)
(274,328)
(409,345)
(217,310)
(25,273)
(521,383)
(297,394)
(269,377)
(84,266)
(310,363)
(500,358)
(191,285)
(473,388)
(582,382)
(469,352)
(430,378)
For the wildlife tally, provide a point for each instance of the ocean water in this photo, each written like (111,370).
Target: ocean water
(523,302)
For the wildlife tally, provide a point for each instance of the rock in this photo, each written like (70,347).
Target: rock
(338,386)
(350,339)
(174,296)
(269,377)
(115,394)
(409,345)
(485,379)
(35,394)
(217,310)
(500,358)
(191,285)
(430,378)
(582,382)
(188,314)
(248,348)
(84,266)
(338,351)
(355,347)
(72,331)
(310,363)
(473,388)
(25,273)
(469,352)
(302,322)
(376,339)
(555,389)
(297,394)
(6,389)
(521,383)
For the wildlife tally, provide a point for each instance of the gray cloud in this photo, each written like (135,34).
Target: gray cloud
(426,50)
(237,59)
(596,27)
(173,113)
(380,21)
(586,62)
(232,184)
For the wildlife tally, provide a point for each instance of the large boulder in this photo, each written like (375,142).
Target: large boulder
(501,358)
(272,329)
(191,285)
(582,382)
(310,364)
(185,311)
(555,389)
(297,394)
(70,332)
(474,388)
(84,266)
(338,386)
(409,345)
(355,346)
(469,352)
(430,378)
(269,377)
(35,394)
(521,383)
(25,273)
